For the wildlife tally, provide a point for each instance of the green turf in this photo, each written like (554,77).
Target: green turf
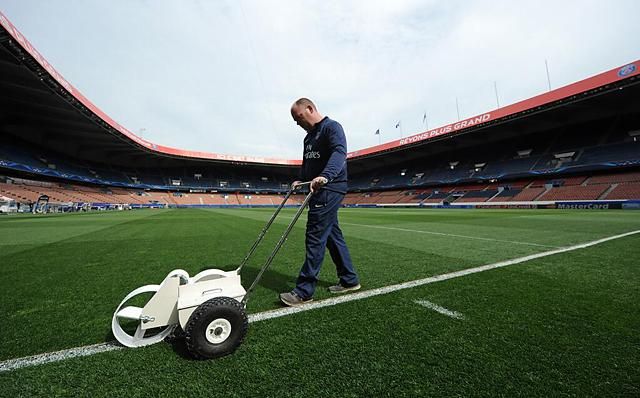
(562,325)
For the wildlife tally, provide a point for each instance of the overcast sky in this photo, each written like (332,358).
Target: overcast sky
(220,75)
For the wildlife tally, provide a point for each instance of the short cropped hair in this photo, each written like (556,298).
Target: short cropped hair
(304,102)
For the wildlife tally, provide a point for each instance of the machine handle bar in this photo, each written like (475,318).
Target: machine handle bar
(283,238)
(266,227)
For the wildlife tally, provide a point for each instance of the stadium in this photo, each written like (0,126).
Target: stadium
(499,252)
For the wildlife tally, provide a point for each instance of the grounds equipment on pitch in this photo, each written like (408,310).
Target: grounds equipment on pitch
(210,307)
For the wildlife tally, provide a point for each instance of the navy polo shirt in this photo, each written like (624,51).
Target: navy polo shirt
(325,155)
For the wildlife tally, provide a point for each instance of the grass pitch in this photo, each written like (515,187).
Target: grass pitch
(567,324)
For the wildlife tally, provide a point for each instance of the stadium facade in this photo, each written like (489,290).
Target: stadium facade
(574,147)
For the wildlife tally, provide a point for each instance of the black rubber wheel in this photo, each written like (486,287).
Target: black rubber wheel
(216,328)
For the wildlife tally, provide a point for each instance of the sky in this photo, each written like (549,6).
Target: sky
(220,75)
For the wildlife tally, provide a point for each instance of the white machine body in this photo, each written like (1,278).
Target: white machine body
(178,296)
(174,301)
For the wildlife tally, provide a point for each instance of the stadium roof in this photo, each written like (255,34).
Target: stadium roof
(41,106)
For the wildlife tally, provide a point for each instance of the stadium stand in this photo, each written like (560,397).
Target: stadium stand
(558,146)
(572,181)
(477,196)
(528,194)
(437,197)
(387,197)
(241,185)
(591,192)
(624,190)
(614,178)
(505,195)
(600,187)
(412,197)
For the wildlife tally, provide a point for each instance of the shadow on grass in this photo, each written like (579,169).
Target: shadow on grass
(179,345)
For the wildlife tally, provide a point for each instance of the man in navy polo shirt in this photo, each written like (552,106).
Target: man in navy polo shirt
(324,163)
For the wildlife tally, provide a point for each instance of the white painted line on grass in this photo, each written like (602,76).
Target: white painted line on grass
(18,363)
(445,234)
(437,308)
(56,356)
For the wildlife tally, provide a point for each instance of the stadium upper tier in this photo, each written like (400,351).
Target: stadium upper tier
(49,130)
(608,144)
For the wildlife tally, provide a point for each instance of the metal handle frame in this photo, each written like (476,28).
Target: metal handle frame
(266,227)
(283,239)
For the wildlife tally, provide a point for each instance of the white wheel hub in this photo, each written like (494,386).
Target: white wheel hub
(218,331)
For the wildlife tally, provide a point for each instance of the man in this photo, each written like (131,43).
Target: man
(324,163)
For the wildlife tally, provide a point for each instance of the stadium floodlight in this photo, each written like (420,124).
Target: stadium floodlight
(210,307)
(524,153)
(564,155)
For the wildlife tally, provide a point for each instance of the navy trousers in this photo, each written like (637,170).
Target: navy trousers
(323,232)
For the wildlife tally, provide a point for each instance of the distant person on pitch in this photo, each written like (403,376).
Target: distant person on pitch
(324,164)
